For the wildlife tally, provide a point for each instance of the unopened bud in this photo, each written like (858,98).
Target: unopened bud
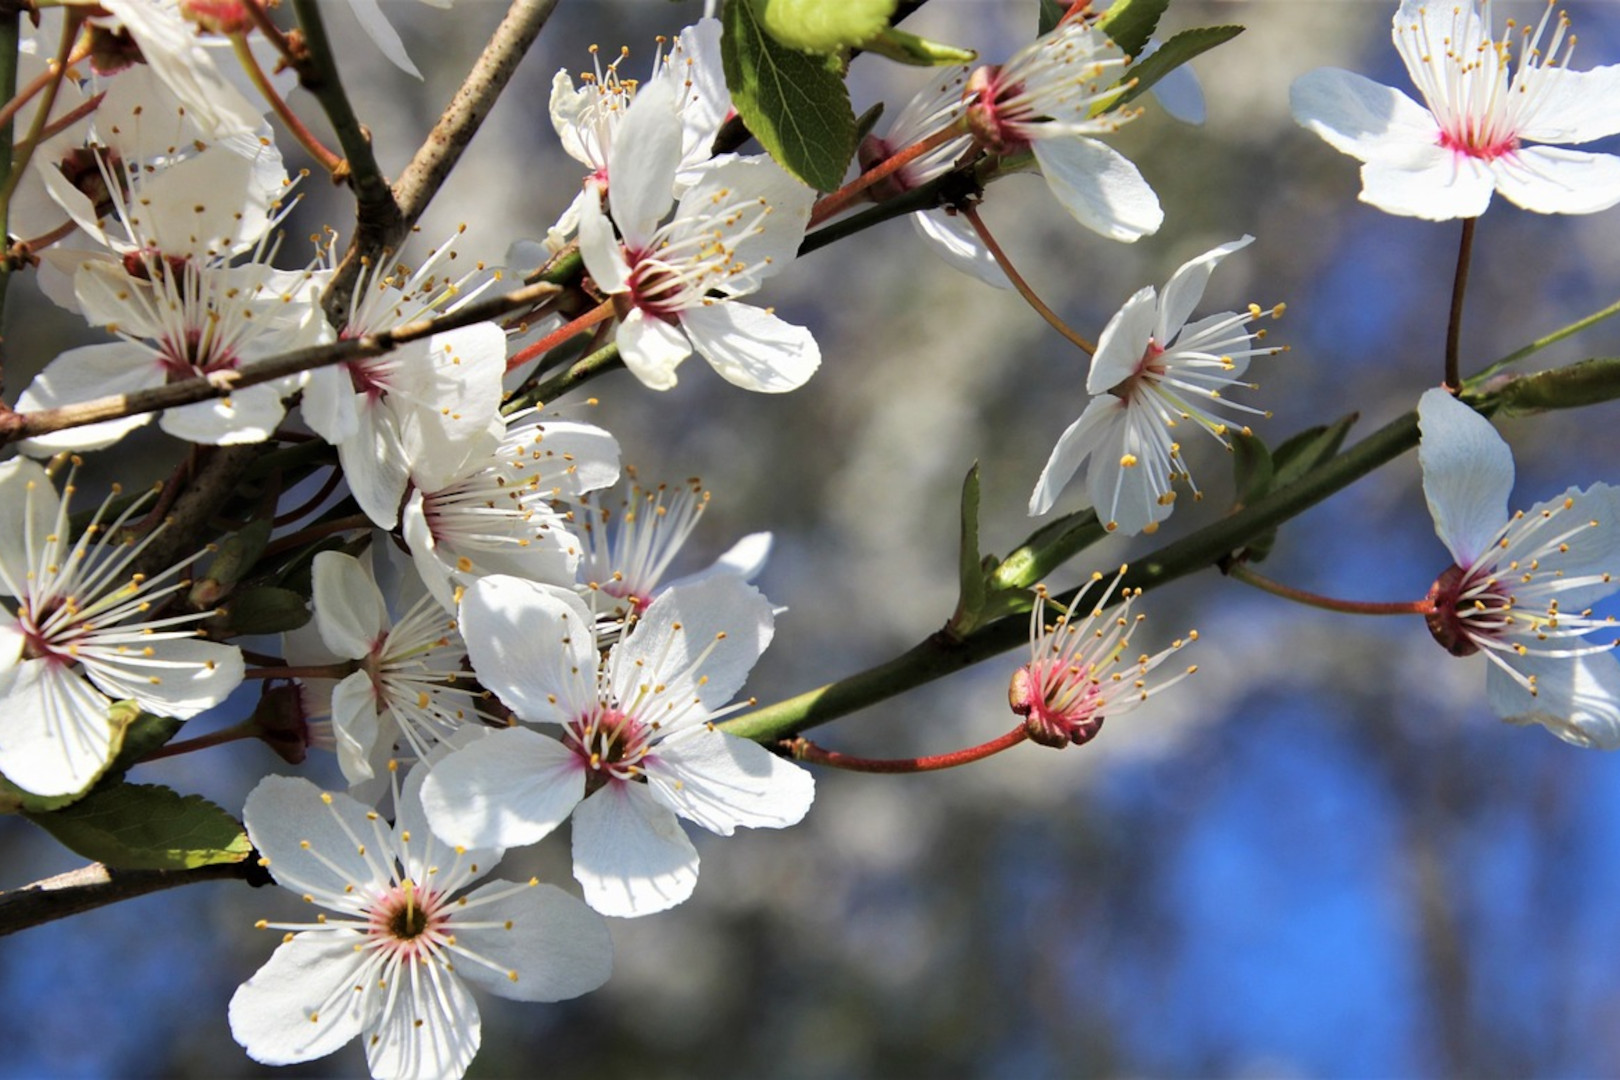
(283,722)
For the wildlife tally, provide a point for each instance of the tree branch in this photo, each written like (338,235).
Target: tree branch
(95,886)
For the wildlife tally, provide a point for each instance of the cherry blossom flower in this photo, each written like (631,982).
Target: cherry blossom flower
(1046,100)
(630,548)
(587,117)
(169,44)
(1080,672)
(409,689)
(1476,135)
(740,222)
(1521,588)
(426,408)
(394,961)
(1154,370)
(87,631)
(501,516)
(638,749)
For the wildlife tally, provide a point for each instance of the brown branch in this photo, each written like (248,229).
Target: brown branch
(94,886)
(442,149)
(14,426)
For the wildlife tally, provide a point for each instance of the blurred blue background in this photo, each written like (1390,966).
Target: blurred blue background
(1320,856)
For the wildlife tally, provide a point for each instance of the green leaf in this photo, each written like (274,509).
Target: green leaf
(906,48)
(266,610)
(147,827)
(1252,467)
(819,27)
(793,104)
(1051,12)
(144,734)
(14,799)
(1131,22)
(237,555)
(1305,451)
(1586,383)
(1046,549)
(1175,52)
(970,568)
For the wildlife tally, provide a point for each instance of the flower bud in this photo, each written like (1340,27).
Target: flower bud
(283,722)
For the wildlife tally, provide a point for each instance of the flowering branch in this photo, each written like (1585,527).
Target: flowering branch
(443,147)
(219,384)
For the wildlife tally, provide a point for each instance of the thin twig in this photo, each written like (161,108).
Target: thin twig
(96,886)
(1459,288)
(224,383)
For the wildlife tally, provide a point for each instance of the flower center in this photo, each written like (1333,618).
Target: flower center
(993,126)
(408,920)
(1058,700)
(612,743)
(1466,611)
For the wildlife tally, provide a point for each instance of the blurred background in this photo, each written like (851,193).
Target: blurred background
(1320,856)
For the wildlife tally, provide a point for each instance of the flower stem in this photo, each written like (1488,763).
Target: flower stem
(246,730)
(1459,286)
(841,200)
(295,540)
(1327,603)
(316,671)
(577,374)
(600,313)
(328,160)
(1051,317)
(1540,343)
(803,749)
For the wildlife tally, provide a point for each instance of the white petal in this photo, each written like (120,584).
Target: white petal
(953,239)
(1099,187)
(550,948)
(651,348)
(80,375)
(31,508)
(278,1014)
(744,559)
(599,244)
(356,727)
(1435,184)
(750,347)
(720,782)
(1467,475)
(641,170)
(571,458)
(169,44)
(1356,116)
(1574,106)
(534,645)
(312,844)
(1079,440)
(375,465)
(723,619)
(432,1031)
(246,416)
(1124,342)
(370,15)
(1577,698)
(761,247)
(54,736)
(349,609)
(330,406)
(508,790)
(1552,180)
(177,677)
(630,854)
(567,106)
(1186,287)
(1590,552)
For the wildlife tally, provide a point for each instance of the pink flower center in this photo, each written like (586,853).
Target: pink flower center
(611,743)
(654,288)
(408,922)
(1484,145)
(993,125)
(1058,700)
(1467,610)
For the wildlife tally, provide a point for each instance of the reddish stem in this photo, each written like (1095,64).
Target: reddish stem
(803,749)
(317,671)
(203,742)
(599,313)
(334,164)
(312,502)
(1051,317)
(844,197)
(315,532)
(272,33)
(1328,603)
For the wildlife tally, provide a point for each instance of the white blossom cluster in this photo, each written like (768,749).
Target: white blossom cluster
(494,647)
